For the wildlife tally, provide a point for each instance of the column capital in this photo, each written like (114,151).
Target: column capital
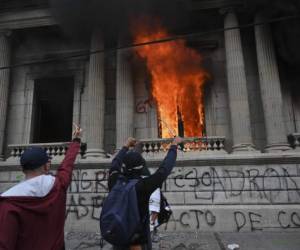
(260,17)
(97,41)
(126,52)
(231,8)
(231,20)
(5,32)
(226,10)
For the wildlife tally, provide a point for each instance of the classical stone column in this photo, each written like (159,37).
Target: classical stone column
(96,99)
(237,86)
(124,98)
(270,88)
(4,85)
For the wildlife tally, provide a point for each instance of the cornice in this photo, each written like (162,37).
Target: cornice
(56,56)
(26,19)
(257,159)
(213,4)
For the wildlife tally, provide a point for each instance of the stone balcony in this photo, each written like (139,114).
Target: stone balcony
(150,148)
(56,150)
(191,146)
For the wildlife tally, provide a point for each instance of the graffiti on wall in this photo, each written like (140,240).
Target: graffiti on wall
(205,186)
(267,185)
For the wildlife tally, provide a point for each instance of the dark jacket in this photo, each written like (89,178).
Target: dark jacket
(145,186)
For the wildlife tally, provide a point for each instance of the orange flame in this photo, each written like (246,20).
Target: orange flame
(177,80)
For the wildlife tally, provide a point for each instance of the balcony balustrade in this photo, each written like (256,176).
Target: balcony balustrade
(195,146)
(150,148)
(55,150)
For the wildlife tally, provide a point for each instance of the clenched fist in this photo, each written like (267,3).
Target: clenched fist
(177,140)
(130,142)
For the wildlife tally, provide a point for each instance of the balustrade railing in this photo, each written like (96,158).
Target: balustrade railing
(149,147)
(54,150)
(210,144)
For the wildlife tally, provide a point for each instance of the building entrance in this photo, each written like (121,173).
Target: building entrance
(53,110)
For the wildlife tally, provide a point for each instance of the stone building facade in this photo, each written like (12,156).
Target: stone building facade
(244,175)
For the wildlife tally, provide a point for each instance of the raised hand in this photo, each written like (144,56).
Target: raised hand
(130,142)
(177,140)
(77,131)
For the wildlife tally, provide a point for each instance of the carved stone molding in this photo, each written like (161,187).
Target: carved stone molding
(6,32)
(26,19)
(213,4)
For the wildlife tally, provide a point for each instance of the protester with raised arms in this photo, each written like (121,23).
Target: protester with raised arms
(32,213)
(124,220)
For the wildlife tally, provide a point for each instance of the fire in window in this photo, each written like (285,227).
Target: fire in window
(177,81)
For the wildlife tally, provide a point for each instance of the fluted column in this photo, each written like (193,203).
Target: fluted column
(4,85)
(237,86)
(124,98)
(270,88)
(96,99)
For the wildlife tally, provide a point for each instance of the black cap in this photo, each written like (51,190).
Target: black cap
(34,157)
(134,161)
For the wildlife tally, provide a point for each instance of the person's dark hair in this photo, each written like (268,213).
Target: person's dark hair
(33,158)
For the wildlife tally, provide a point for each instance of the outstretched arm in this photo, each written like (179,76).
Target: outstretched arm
(117,161)
(64,172)
(149,184)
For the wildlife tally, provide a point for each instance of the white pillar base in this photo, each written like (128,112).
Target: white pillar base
(244,148)
(273,148)
(95,153)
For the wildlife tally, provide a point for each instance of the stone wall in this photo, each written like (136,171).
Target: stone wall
(220,194)
(205,198)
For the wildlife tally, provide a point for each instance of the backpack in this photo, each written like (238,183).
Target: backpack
(120,217)
(165,210)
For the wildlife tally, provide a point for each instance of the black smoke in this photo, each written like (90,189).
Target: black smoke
(79,17)
(286,33)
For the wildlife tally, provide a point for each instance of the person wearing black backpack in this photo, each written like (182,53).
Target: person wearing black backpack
(133,164)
